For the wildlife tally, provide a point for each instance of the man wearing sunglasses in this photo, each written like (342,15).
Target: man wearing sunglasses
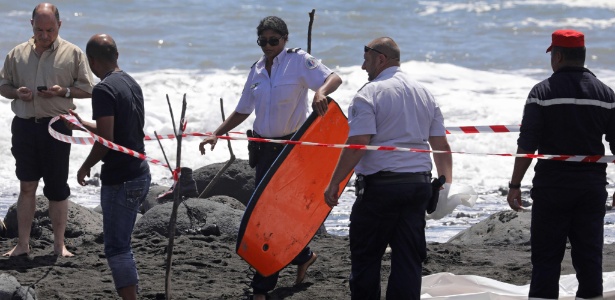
(393,188)
(276,90)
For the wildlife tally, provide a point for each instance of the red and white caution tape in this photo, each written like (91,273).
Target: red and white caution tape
(576,158)
(94,137)
(449,130)
(465,129)
(483,129)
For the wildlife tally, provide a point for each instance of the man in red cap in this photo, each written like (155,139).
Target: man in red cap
(566,114)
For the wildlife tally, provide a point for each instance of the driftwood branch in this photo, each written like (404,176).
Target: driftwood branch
(322,226)
(309,41)
(176,198)
(212,183)
(163,153)
(172,118)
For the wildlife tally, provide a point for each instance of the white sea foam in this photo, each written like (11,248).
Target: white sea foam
(479,7)
(608,4)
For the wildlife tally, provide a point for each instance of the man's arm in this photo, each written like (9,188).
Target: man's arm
(91,126)
(10,92)
(443,161)
(59,91)
(349,158)
(521,166)
(104,126)
(78,93)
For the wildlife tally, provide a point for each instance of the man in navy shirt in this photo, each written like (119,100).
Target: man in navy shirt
(566,114)
(117,105)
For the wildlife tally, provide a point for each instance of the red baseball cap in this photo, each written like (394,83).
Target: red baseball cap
(567,38)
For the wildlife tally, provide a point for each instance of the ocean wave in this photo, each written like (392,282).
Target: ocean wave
(428,8)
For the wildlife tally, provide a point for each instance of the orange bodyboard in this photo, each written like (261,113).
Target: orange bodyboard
(288,206)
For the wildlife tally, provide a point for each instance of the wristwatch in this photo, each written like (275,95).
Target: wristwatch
(514,186)
(67,92)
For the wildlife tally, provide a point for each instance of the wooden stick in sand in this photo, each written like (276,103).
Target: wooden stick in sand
(212,183)
(309,41)
(177,199)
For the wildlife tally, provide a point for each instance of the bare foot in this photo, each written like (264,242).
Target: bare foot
(302,269)
(64,252)
(18,251)
(259,297)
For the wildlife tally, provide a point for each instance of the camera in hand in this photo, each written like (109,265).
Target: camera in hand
(41,88)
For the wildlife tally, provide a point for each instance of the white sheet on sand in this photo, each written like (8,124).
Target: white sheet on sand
(447,286)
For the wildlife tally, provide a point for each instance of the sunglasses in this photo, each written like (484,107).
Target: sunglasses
(366,49)
(272,41)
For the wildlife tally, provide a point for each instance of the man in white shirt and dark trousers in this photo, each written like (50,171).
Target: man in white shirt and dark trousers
(393,187)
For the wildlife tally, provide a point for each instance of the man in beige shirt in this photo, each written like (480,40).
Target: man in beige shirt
(42,76)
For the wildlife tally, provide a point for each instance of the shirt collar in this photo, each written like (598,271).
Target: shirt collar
(276,59)
(574,69)
(54,46)
(387,72)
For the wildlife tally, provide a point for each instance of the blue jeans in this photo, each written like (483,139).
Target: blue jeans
(120,205)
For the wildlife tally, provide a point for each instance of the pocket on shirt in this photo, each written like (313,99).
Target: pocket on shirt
(288,79)
(287,89)
(63,74)
(257,89)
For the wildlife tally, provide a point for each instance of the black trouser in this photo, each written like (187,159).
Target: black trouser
(268,154)
(37,154)
(559,214)
(389,212)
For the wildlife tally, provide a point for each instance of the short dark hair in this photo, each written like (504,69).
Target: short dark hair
(575,55)
(273,23)
(56,12)
(106,52)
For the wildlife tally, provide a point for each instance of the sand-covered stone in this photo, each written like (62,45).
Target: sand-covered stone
(502,228)
(193,216)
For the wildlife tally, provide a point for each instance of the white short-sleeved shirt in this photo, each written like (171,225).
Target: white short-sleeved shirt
(397,111)
(280,101)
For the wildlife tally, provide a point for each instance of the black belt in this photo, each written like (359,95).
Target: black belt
(38,120)
(386,177)
(272,146)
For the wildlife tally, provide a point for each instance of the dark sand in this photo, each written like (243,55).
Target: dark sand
(207,267)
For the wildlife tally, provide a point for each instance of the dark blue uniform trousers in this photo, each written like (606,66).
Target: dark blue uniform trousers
(559,214)
(267,156)
(392,214)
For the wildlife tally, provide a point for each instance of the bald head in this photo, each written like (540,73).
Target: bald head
(388,47)
(45,26)
(102,48)
(46,9)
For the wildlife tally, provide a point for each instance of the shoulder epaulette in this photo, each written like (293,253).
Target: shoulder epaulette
(254,64)
(293,50)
